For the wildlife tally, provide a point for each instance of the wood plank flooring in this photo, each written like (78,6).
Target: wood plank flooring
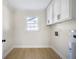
(32,53)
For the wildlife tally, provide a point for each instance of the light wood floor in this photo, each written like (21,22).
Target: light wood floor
(32,53)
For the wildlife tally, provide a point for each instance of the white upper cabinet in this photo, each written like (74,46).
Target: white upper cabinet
(60,10)
(50,14)
(57,10)
(66,11)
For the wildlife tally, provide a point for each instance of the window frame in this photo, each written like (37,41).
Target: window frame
(32,23)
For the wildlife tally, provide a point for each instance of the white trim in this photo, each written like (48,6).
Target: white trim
(7,52)
(31,46)
(61,21)
(60,54)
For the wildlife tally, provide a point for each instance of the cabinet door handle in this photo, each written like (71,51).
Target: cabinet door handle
(4,40)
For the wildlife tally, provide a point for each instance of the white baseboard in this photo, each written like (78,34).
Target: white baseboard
(60,54)
(7,52)
(31,46)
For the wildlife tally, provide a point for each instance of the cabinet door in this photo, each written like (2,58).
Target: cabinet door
(50,14)
(57,10)
(62,10)
(65,9)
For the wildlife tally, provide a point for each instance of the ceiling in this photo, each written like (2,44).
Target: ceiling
(29,4)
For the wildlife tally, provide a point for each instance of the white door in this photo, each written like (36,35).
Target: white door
(4,45)
(5,28)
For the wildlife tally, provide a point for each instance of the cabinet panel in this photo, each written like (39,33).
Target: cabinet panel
(50,14)
(65,9)
(57,9)
(60,10)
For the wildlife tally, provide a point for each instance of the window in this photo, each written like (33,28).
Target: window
(32,23)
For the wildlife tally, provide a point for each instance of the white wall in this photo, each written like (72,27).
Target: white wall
(7,29)
(60,43)
(26,39)
(16,34)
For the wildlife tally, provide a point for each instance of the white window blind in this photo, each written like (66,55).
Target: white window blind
(32,23)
